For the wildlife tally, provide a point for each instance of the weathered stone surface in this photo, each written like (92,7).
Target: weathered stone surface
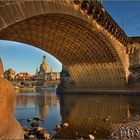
(66,79)
(7,120)
(15,133)
(91,62)
(93,48)
(6,106)
(134,77)
(2,23)
(1,69)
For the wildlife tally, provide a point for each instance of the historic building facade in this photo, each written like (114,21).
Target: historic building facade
(45,72)
(10,74)
(23,76)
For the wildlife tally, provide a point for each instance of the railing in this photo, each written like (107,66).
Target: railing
(135,39)
(97,11)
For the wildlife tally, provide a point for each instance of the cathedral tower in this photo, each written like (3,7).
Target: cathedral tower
(44,67)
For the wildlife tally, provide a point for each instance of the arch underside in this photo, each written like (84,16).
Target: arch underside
(86,53)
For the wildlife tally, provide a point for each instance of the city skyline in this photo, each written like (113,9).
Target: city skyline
(13,53)
(25,63)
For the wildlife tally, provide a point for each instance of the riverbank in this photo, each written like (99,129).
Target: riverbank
(35,131)
(125,91)
(128,129)
(85,114)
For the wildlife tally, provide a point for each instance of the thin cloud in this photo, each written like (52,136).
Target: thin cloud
(134,15)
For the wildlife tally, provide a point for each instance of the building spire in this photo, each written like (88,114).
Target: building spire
(44,59)
(1,68)
(44,56)
(51,70)
(101,2)
(44,68)
(36,73)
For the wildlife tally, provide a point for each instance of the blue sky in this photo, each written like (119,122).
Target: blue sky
(25,58)
(129,11)
(21,57)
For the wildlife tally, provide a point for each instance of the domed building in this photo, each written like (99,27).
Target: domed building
(45,72)
(42,73)
(44,67)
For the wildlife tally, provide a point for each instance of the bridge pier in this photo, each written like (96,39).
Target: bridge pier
(133,51)
(68,85)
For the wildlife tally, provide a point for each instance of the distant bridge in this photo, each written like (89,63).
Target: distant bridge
(80,34)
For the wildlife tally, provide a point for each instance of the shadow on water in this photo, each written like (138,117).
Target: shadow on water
(94,114)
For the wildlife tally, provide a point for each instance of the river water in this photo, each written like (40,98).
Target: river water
(85,114)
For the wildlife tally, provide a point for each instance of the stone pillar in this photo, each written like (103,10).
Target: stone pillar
(9,127)
(127,64)
(65,80)
(65,77)
(130,58)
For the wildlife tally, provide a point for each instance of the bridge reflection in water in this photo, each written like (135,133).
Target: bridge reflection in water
(94,114)
(86,114)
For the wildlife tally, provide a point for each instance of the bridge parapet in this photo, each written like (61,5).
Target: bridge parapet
(134,40)
(130,48)
(133,49)
(133,45)
(97,11)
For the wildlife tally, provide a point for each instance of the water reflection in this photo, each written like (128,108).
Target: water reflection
(44,104)
(85,114)
(94,114)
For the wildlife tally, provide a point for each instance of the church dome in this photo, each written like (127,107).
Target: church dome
(44,67)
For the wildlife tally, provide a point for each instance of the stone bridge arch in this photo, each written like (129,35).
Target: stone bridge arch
(91,54)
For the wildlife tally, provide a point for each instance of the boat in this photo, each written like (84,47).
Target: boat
(48,87)
(16,87)
(22,88)
(27,88)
